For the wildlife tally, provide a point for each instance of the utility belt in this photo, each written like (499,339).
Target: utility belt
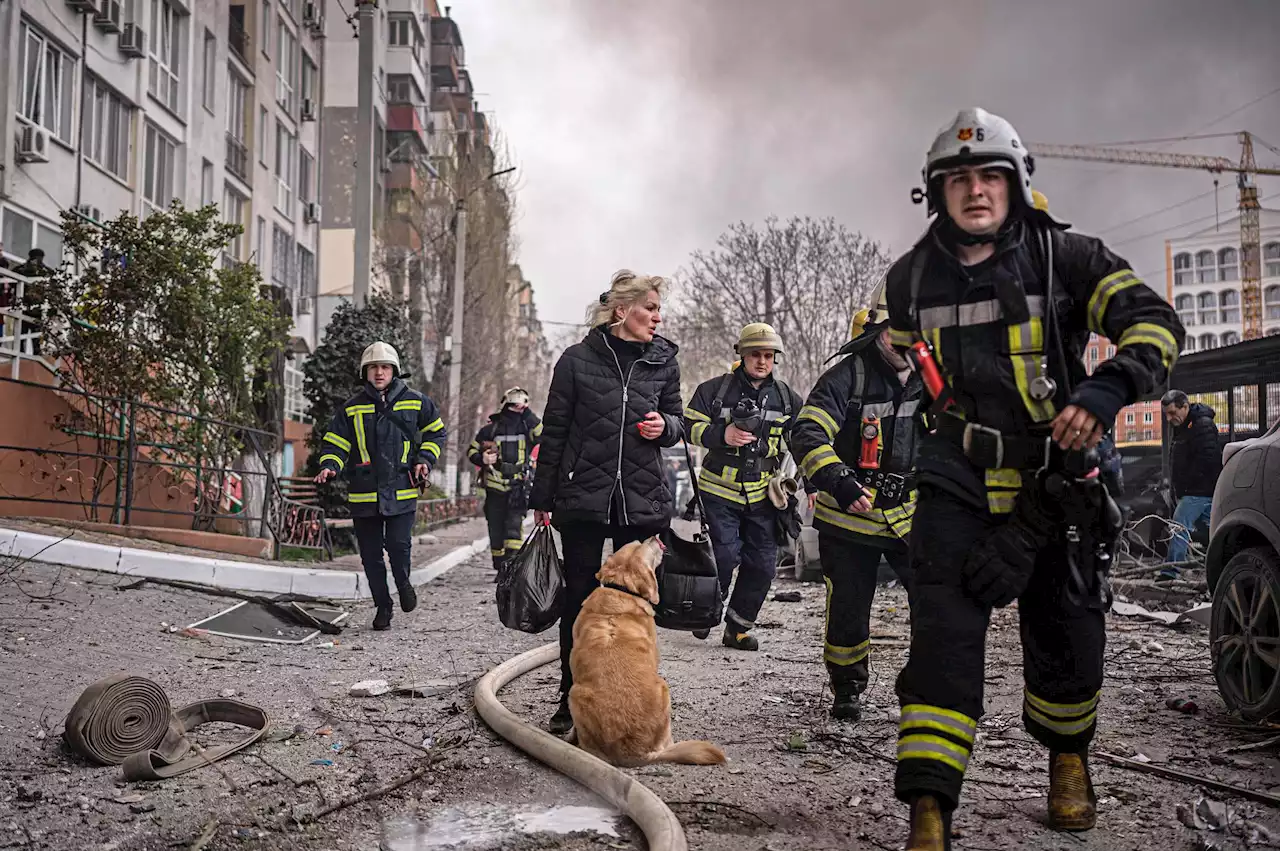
(750,468)
(990,448)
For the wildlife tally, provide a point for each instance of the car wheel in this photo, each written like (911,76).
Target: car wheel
(1245,633)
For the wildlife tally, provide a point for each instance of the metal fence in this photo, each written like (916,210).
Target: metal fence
(1240,382)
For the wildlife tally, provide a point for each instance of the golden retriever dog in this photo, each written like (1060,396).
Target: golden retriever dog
(621,707)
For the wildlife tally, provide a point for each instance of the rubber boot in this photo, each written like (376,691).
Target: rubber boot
(739,640)
(845,707)
(1072,803)
(382,620)
(930,826)
(562,720)
(408,598)
(701,634)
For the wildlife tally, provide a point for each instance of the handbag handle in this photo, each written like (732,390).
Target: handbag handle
(697,492)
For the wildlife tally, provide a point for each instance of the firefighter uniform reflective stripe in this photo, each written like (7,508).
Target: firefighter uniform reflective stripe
(338,441)
(1151,335)
(893,523)
(362,497)
(338,457)
(698,425)
(1065,719)
(407,405)
(357,414)
(1102,295)
(430,443)
(1002,485)
(936,733)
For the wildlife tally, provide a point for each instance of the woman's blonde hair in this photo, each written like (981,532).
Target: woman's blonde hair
(626,290)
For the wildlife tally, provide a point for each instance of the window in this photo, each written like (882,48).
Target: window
(47,95)
(1111,351)
(307,80)
(281,249)
(1208,308)
(159,169)
(400,32)
(1186,307)
(1182,270)
(402,89)
(1207,342)
(108,122)
(1190,344)
(1228,265)
(1206,269)
(264,122)
(1148,418)
(287,70)
(1128,417)
(1148,434)
(21,233)
(237,126)
(206,183)
(306,173)
(264,28)
(234,208)
(295,401)
(261,250)
(286,154)
(1230,301)
(1271,255)
(306,280)
(164,42)
(1230,338)
(1271,298)
(210,69)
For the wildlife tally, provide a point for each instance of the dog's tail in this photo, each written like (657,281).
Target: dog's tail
(690,753)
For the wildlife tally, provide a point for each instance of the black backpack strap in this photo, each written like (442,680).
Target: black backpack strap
(919,259)
(721,392)
(859,385)
(786,399)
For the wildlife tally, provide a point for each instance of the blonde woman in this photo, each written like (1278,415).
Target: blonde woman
(614,403)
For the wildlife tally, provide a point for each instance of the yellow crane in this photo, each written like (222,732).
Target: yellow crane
(1246,172)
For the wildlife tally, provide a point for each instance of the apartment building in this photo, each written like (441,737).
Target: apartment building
(128,104)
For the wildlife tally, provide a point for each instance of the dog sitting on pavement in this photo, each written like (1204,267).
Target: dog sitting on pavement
(621,706)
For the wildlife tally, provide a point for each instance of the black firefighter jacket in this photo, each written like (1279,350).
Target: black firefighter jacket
(828,441)
(987,326)
(591,447)
(1195,455)
(365,444)
(515,435)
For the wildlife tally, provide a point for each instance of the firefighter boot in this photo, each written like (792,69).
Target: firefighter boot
(1072,804)
(845,707)
(562,720)
(739,640)
(930,826)
(382,620)
(701,634)
(408,598)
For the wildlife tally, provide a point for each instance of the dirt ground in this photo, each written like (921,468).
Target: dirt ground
(795,780)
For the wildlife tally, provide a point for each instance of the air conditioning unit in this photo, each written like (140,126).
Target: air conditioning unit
(83,5)
(33,144)
(308,109)
(133,40)
(311,213)
(310,14)
(317,31)
(107,16)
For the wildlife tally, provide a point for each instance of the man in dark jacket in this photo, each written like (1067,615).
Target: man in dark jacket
(856,439)
(392,436)
(503,450)
(996,302)
(744,419)
(1195,460)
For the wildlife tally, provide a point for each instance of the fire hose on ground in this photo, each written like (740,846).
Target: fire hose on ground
(660,826)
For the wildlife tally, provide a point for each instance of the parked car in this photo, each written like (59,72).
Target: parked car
(1243,572)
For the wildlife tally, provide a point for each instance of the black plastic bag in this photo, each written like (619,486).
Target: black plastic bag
(531,584)
(688,582)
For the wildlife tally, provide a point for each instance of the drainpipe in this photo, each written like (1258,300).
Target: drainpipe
(84,67)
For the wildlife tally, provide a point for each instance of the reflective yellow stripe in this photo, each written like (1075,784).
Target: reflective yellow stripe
(1002,489)
(1104,292)
(334,458)
(842,656)
(695,415)
(900,338)
(360,409)
(1062,710)
(362,497)
(924,746)
(696,433)
(435,425)
(513,543)
(357,421)
(1062,728)
(1026,351)
(891,523)
(822,456)
(433,448)
(822,418)
(407,494)
(494,552)
(1004,477)
(537,430)
(407,405)
(956,723)
(404,456)
(1001,502)
(1152,335)
(338,441)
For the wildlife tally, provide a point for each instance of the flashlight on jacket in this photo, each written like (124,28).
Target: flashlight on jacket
(870,458)
(921,357)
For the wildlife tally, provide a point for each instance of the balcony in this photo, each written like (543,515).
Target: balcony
(447,56)
(406,177)
(237,36)
(237,158)
(407,118)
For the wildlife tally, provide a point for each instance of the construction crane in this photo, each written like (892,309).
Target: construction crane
(1246,172)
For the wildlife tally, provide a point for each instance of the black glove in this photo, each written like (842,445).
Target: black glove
(848,490)
(999,568)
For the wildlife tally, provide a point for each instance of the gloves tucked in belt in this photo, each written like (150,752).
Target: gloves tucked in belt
(999,568)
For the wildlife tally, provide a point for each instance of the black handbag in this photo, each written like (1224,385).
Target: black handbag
(688,581)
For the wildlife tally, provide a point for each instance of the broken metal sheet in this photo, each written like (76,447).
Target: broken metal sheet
(252,622)
(1133,610)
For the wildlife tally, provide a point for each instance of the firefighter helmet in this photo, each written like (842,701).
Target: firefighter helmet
(758,335)
(869,316)
(976,137)
(515,396)
(379,352)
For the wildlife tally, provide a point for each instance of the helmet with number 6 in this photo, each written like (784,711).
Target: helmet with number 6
(974,138)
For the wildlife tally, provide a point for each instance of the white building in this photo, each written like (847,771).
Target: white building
(1204,282)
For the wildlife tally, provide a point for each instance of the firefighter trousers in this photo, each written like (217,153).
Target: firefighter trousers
(940,689)
(504,520)
(743,538)
(849,569)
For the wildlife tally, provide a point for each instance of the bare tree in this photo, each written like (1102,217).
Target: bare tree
(820,271)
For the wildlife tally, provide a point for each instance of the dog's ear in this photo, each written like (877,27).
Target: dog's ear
(649,585)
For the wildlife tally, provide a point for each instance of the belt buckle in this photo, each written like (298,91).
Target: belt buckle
(972,429)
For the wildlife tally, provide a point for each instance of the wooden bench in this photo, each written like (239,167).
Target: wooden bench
(303,489)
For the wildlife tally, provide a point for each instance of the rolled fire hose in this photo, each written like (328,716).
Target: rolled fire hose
(128,721)
(661,828)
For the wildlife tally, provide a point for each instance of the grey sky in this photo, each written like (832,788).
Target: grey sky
(643,129)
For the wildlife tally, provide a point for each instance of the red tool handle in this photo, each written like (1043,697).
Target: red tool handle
(922,359)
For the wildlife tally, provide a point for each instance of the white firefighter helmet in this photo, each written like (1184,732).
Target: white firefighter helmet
(976,137)
(515,396)
(758,335)
(874,315)
(379,352)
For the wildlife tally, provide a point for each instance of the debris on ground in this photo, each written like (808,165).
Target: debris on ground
(788,597)
(369,688)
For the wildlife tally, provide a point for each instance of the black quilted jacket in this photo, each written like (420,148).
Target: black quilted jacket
(590,443)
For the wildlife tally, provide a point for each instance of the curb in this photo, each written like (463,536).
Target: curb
(213,572)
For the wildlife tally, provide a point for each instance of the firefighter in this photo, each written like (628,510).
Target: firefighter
(386,440)
(503,450)
(995,303)
(856,440)
(743,419)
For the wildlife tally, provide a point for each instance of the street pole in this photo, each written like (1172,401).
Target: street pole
(366,157)
(456,440)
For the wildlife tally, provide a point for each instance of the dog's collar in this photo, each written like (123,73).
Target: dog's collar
(624,590)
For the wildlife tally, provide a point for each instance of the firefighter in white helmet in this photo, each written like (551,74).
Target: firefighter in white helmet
(995,305)
(385,440)
(503,449)
(743,419)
